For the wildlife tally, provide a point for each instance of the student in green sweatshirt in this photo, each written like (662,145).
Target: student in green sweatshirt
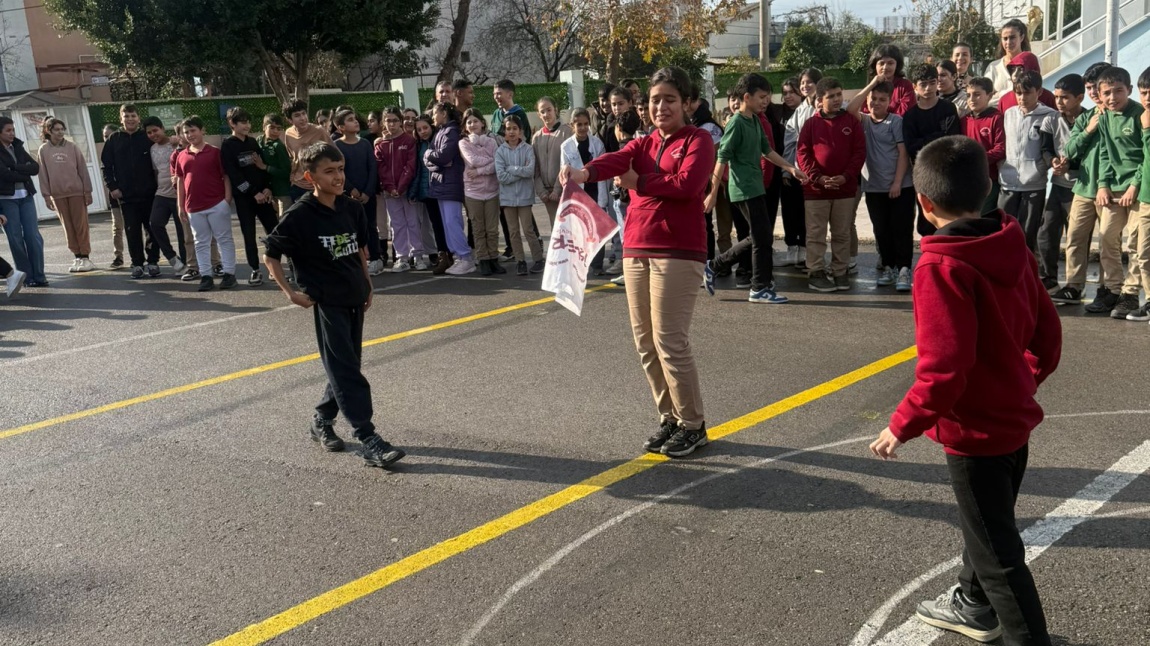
(1082,155)
(1138,227)
(275,157)
(1119,178)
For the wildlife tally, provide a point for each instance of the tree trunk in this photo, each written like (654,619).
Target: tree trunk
(274,74)
(302,65)
(455,46)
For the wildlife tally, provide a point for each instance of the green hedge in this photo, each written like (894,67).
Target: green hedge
(526,95)
(213,110)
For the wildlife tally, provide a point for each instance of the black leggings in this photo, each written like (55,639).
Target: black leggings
(247,209)
(436,218)
(893,221)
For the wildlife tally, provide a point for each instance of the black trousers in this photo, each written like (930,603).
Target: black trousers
(993,557)
(893,222)
(762,228)
(789,194)
(375,248)
(1026,207)
(436,218)
(5,268)
(1054,221)
(339,334)
(165,209)
(137,219)
(248,211)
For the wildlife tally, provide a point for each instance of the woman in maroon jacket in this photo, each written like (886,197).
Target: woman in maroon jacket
(665,247)
(887,62)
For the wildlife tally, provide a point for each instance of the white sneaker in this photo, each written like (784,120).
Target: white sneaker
(15,282)
(781,258)
(86,265)
(903,284)
(619,280)
(463,266)
(399,267)
(614,268)
(801,257)
(75,266)
(178,265)
(375,267)
(421,264)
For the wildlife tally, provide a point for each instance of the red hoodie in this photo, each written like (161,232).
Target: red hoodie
(396,159)
(987,336)
(1029,61)
(830,146)
(768,167)
(987,130)
(665,218)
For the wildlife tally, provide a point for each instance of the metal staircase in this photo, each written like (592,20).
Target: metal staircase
(1079,41)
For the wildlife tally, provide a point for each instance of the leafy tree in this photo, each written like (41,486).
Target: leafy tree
(845,30)
(536,32)
(284,38)
(690,60)
(965,26)
(862,49)
(805,46)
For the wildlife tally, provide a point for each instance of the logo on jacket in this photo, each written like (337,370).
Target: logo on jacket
(847,131)
(678,154)
(1127,130)
(59,158)
(984,132)
(340,245)
(403,147)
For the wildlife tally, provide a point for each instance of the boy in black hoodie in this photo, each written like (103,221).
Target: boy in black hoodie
(325,233)
(243,162)
(131,180)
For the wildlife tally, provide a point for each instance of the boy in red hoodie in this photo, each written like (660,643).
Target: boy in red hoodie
(987,337)
(831,152)
(984,125)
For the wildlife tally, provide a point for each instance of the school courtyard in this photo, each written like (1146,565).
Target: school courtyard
(158,485)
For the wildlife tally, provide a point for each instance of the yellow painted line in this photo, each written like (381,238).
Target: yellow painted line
(331,600)
(258,370)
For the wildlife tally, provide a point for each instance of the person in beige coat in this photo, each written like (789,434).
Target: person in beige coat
(547,145)
(67,190)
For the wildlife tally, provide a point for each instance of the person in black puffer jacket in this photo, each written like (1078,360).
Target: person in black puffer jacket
(131,179)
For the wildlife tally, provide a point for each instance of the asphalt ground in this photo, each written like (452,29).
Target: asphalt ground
(155,489)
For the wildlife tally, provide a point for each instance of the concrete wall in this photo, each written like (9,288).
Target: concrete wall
(52,48)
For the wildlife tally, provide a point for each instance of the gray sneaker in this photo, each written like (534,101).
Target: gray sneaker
(820,283)
(842,283)
(953,611)
(1126,305)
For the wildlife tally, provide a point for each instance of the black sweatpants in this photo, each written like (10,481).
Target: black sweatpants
(1054,219)
(993,557)
(163,210)
(759,242)
(789,194)
(339,334)
(893,222)
(137,228)
(1026,207)
(374,249)
(436,218)
(248,210)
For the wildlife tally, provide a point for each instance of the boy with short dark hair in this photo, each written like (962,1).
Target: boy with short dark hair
(984,125)
(464,95)
(1082,149)
(1120,158)
(1068,94)
(831,152)
(131,181)
(324,232)
(276,158)
(928,119)
(203,196)
(1138,227)
(743,145)
(504,95)
(1030,150)
(251,186)
(987,337)
(164,207)
(299,136)
(361,182)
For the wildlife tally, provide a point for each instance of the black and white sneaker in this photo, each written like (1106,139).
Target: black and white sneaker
(1127,304)
(684,442)
(153,271)
(953,611)
(137,272)
(1140,314)
(190,275)
(378,452)
(1067,296)
(322,432)
(667,428)
(1104,302)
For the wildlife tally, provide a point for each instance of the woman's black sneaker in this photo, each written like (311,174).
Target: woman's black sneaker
(667,428)
(206,284)
(485,267)
(1127,303)
(228,281)
(378,452)
(1104,302)
(496,268)
(521,268)
(953,611)
(684,442)
(322,432)
(1067,296)
(538,267)
(1140,314)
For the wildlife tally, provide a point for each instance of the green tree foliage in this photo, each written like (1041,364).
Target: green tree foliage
(805,46)
(861,51)
(283,39)
(965,26)
(690,60)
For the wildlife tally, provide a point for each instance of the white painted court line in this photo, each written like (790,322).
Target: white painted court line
(534,575)
(1099,414)
(173,330)
(1038,537)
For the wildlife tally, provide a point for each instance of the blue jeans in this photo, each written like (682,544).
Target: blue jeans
(24,237)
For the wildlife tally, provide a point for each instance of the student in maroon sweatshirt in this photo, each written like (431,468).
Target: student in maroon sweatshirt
(984,125)
(987,337)
(1025,61)
(831,152)
(665,246)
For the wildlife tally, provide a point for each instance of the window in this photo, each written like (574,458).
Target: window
(464,57)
